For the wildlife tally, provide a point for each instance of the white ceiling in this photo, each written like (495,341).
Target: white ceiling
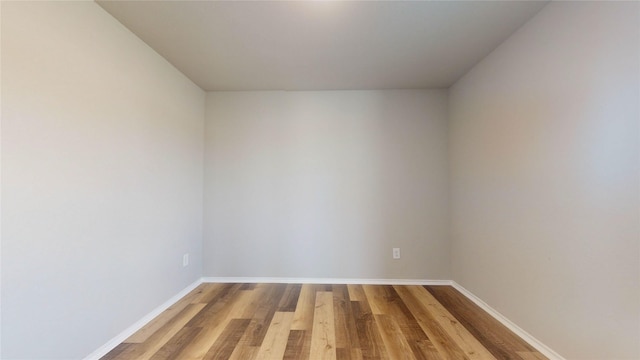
(323,45)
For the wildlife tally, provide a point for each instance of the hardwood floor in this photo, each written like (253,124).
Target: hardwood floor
(294,321)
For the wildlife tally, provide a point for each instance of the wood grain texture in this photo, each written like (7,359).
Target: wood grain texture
(167,332)
(143,334)
(473,349)
(370,340)
(497,338)
(444,344)
(275,340)
(227,341)
(530,355)
(303,317)
(122,351)
(356,293)
(323,336)
(396,344)
(295,345)
(302,321)
(346,331)
(173,347)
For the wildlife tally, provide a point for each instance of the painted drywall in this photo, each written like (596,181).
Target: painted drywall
(544,149)
(101,179)
(325,184)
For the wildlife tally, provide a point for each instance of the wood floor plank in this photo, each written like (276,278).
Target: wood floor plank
(143,334)
(163,335)
(258,294)
(202,342)
(369,337)
(122,352)
(295,342)
(289,299)
(348,354)
(376,300)
(445,345)
(244,349)
(497,338)
(473,349)
(172,348)
(340,321)
(208,293)
(244,353)
(215,324)
(343,354)
(323,338)
(309,322)
(531,355)
(356,354)
(248,286)
(421,345)
(217,306)
(356,293)
(241,302)
(395,343)
(303,317)
(264,314)
(198,295)
(387,301)
(346,332)
(260,309)
(228,340)
(275,340)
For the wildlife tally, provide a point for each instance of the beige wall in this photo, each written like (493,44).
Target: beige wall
(544,166)
(101,179)
(324,184)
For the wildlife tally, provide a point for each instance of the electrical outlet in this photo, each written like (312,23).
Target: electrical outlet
(396,253)
(185,260)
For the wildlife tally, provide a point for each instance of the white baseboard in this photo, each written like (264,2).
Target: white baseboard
(282,280)
(538,345)
(111,344)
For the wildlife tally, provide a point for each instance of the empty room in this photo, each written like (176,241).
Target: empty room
(320,180)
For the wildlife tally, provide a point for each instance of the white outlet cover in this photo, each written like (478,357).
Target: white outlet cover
(396,253)
(185,260)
